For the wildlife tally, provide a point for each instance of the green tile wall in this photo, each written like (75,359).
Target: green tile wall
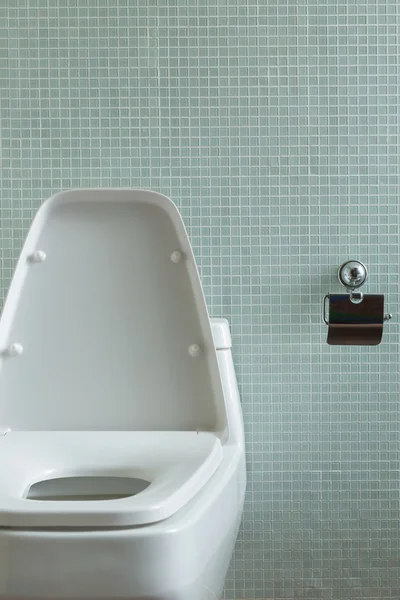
(274,125)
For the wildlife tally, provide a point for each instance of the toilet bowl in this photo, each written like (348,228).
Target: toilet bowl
(122,465)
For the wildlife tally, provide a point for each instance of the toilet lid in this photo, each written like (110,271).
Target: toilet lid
(105,326)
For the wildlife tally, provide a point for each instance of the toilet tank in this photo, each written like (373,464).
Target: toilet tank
(232,405)
(105,326)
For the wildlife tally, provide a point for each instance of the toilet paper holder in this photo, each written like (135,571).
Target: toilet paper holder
(354,318)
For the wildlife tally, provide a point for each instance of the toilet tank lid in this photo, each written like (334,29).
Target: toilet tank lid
(221,334)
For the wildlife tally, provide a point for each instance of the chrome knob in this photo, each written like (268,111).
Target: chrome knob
(352,274)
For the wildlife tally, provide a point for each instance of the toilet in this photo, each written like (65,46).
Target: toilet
(122,461)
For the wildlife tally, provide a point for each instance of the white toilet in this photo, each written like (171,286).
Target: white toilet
(122,465)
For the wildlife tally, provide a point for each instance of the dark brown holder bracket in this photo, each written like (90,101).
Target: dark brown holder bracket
(354,319)
(354,324)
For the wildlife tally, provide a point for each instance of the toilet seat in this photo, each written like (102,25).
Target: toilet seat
(177,465)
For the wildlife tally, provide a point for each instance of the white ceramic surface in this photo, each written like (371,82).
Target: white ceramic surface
(97,335)
(110,369)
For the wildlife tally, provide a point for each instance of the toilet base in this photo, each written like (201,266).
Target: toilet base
(208,587)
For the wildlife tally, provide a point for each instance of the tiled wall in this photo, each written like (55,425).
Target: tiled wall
(274,125)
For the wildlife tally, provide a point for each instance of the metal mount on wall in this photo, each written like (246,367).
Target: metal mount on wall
(354,318)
